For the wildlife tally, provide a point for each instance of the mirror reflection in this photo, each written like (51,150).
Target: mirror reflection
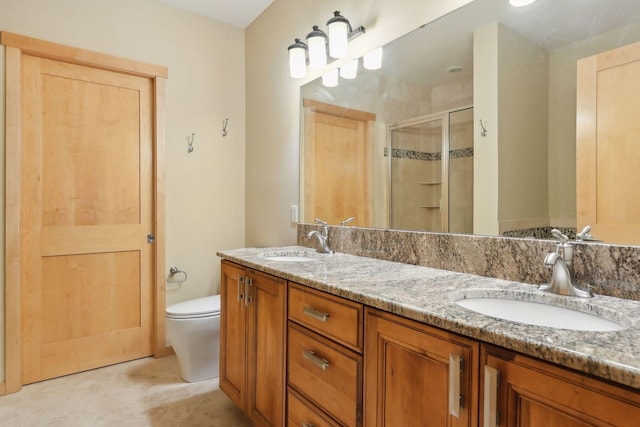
(470,126)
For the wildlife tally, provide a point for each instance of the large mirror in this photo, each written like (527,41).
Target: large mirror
(468,127)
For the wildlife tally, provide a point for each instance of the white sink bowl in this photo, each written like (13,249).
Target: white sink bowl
(289,256)
(541,314)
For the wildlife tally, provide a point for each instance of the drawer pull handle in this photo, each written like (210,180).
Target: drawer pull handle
(318,361)
(307,425)
(491,380)
(455,366)
(312,312)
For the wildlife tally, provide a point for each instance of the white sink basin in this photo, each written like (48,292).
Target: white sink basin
(539,314)
(289,256)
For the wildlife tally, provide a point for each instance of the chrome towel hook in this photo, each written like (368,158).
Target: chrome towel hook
(190,143)
(225,122)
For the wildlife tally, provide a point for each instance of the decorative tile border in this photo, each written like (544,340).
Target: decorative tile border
(421,155)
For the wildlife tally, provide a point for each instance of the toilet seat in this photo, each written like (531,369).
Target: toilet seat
(195,308)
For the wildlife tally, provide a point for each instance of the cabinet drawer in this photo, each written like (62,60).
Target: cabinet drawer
(333,317)
(326,373)
(302,413)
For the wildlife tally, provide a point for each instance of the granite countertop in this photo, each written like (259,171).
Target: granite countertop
(428,296)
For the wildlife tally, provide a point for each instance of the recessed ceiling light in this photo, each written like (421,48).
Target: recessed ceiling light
(519,3)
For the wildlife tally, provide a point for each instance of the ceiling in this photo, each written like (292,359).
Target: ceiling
(239,13)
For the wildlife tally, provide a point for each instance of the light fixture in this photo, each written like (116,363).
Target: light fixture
(317,41)
(330,78)
(298,59)
(340,33)
(519,3)
(373,59)
(349,70)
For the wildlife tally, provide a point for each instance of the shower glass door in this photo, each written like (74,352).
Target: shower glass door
(431,170)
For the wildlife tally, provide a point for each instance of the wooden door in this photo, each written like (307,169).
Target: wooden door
(608,152)
(87,269)
(524,392)
(265,348)
(233,333)
(407,377)
(336,164)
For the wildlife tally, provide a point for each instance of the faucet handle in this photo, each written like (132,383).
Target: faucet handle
(558,235)
(348,220)
(321,222)
(585,234)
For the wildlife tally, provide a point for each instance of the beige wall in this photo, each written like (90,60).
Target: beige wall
(205,189)
(273,97)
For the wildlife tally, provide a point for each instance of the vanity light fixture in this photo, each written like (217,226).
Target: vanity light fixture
(373,59)
(319,45)
(298,59)
(330,78)
(520,3)
(349,70)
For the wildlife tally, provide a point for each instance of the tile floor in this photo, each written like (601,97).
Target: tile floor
(145,392)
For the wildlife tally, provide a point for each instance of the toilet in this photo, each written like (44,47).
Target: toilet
(193,329)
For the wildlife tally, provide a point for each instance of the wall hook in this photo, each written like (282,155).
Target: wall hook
(484,128)
(190,143)
(225,122)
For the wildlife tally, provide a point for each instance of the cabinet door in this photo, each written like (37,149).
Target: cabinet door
(233,333)
(266,358)
(408,380)
(524,392)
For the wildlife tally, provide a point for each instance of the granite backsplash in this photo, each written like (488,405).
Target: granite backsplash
(606,269)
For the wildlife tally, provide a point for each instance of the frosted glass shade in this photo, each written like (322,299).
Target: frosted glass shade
(330,79)
(338,34)
(373,59)
(297,61)
(317,41)
(349,70)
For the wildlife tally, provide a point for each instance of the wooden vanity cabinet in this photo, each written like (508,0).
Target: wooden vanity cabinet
(522,391)
(252,342)
(324,359)
(418,375)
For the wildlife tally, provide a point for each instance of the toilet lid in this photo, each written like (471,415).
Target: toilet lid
(199,307)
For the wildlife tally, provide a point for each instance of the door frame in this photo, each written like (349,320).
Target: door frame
(15,47)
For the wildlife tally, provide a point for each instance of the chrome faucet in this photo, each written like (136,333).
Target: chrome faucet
(561,261)
(323,237)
